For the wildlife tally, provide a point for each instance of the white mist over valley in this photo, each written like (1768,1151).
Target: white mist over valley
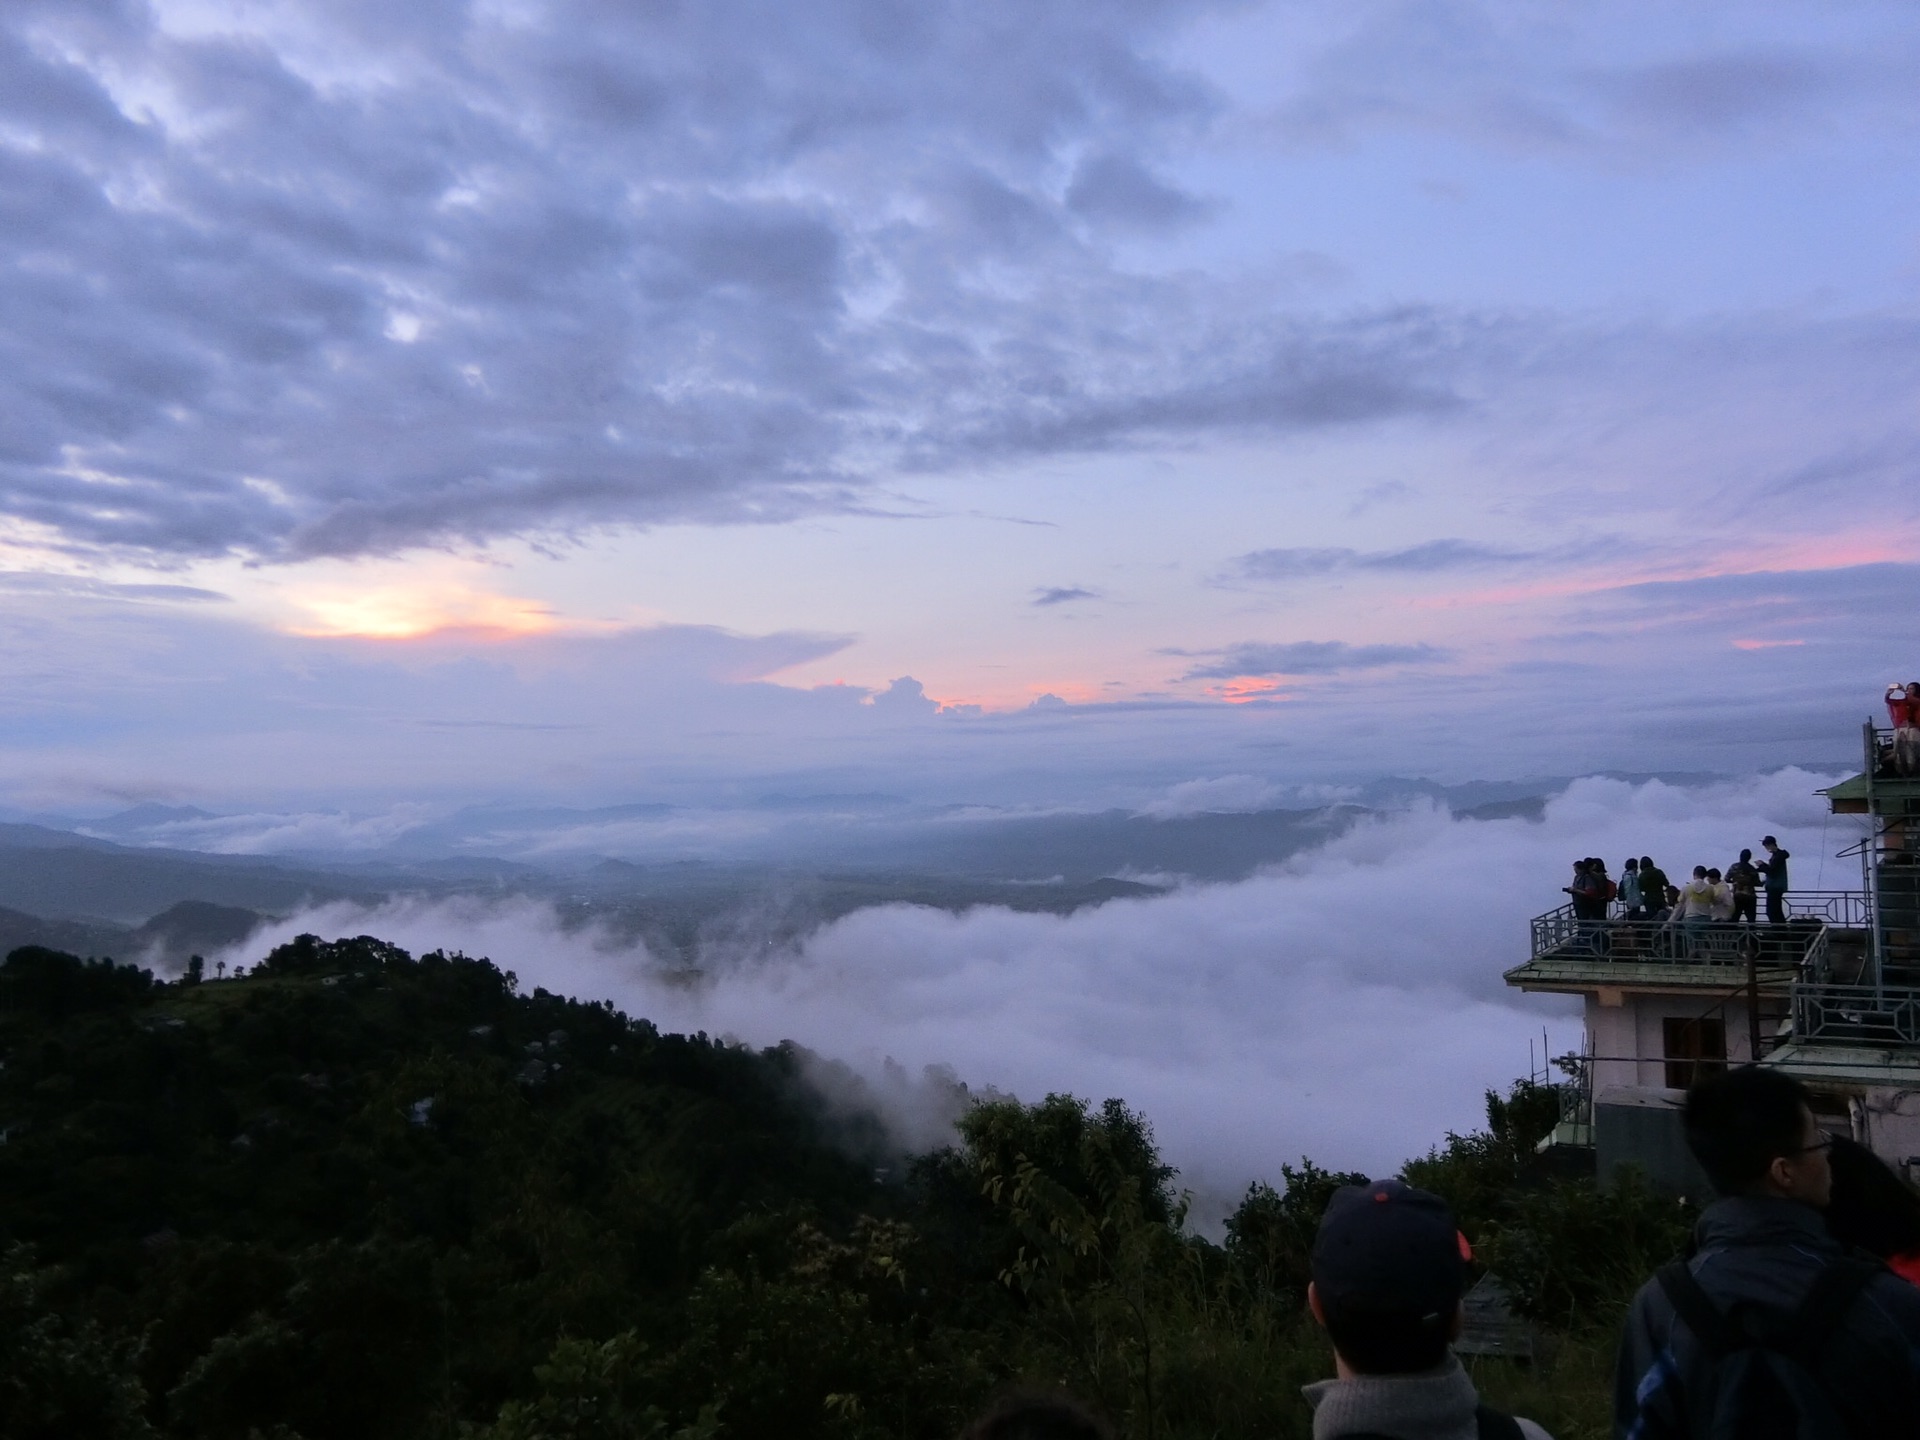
(1344,1004)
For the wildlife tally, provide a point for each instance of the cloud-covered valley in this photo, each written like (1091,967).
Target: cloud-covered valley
(1345,1004)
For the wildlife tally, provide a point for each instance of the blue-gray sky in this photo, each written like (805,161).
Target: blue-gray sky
(1050,402)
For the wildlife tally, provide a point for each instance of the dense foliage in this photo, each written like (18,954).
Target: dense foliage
(359,1194)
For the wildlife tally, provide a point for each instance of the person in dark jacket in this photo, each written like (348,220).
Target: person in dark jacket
(1744,879)
(1774,868)
(1760,1247)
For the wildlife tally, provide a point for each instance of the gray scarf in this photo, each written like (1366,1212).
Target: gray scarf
(1436,1404)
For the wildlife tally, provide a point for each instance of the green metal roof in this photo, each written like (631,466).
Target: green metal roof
(1854,789)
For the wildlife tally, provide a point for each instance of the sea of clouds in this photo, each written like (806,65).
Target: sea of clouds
(1347,1005)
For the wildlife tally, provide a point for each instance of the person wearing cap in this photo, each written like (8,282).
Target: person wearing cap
(1389,1270)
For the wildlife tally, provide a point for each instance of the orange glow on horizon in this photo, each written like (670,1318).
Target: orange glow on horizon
(402,612)
(1244,688)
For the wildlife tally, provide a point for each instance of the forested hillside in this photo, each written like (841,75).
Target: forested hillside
(358,1194)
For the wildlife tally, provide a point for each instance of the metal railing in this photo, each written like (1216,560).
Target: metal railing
(1860,1014)
(1880,756)
(1845,908)
(1576,1094)
(1793,946)
(1553,931)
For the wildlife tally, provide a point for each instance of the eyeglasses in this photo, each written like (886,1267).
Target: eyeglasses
(1825,1142)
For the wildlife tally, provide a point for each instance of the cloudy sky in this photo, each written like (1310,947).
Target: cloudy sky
(1044,402)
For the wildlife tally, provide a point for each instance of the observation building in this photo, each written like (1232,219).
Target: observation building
(1832,996)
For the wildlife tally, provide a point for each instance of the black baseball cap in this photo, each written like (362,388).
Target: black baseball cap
(1388,1247)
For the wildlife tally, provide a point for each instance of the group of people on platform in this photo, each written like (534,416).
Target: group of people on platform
(1794,1313)
(1645,893)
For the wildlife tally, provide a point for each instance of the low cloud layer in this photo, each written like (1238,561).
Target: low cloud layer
(1310,657)
(1346,1006)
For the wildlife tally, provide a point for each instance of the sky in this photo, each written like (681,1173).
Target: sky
(1052,403)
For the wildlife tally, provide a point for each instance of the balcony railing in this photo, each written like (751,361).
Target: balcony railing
(1558,936)
(1857,1014)
(1880,757)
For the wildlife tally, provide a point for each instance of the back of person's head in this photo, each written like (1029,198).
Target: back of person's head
(1768,840)
(1746,854)
(1871,1207)
(1389,1267)
(1699,872)
(1632,864)
(1037,1415)
(1739,1122)
(1673,894)
(1714,876)
(1646,862)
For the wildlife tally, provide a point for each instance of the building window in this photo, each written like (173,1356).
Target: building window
(1695,1048)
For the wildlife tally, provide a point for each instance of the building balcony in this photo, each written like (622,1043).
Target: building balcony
(1824,935)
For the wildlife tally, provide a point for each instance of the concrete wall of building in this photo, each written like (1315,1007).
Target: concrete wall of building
(1641,1126)
(1891,1120)
(1628,1037)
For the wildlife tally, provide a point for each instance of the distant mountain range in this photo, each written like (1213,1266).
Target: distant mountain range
(675,876)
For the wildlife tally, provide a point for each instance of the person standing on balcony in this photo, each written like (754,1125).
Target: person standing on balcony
(1693,911)
(1653,885)
(1903,708)
(1631,896)
(1722,896)
(1774,867)
(1744,880)
(1589,902)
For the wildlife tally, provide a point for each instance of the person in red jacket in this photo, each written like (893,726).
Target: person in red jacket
(1903,708)
(1873,1209)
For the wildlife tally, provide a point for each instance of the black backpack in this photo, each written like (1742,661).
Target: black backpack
(1493,1425)
(1766,1365)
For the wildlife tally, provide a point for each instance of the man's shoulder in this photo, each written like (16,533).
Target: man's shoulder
(1898,1300)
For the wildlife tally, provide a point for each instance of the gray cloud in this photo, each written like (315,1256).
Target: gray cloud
(1428,558)
(1487,71)
(348,285)
(1120,188)
(1061,594)
(1310,657)
(40,582)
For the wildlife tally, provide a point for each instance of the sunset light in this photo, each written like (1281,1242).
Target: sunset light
(402,613)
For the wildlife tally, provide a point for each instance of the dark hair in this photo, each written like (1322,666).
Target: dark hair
(1768,840)
(1646,862)
(1746,854)
(1037,1415)
(1374,1340)
(1714,875)
(1740,1122)
(1872,1207)
(1699,872)
(1632,864)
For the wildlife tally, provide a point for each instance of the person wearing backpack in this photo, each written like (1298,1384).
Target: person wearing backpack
(1772,1328)
(1389,1269)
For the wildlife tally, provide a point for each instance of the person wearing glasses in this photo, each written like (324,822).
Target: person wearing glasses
(1770,1322)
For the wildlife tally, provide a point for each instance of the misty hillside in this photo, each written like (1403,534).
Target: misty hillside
(362,1196)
